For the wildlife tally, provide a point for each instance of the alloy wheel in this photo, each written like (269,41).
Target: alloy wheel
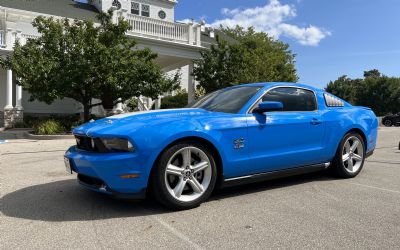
(188,174)
(353,154)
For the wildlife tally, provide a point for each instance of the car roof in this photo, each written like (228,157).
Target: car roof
(274,84)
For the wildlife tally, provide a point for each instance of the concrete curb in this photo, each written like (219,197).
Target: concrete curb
(47,137)
(21,133)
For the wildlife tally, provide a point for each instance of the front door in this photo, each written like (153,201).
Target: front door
(289,138)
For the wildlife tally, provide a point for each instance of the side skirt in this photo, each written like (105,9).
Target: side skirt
(273,175)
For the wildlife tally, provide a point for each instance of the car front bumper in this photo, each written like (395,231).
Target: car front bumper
(119,174)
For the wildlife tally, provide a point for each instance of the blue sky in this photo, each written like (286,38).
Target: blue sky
(330,37)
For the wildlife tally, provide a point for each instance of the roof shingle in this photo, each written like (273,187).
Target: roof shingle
(63,8)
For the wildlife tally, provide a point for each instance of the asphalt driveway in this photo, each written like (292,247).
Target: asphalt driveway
(41,207)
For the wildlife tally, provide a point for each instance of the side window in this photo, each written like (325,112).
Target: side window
(135,8)
(145,10)
(293,99)
(333,101)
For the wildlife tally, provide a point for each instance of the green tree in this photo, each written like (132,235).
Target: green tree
(374,73)
(251,57)
(83,60)
(343,87)
(179,100)
(379,92)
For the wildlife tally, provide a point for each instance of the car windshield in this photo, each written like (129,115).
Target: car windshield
(229,100)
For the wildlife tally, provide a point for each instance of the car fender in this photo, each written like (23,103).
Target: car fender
(191,129)
(347,120)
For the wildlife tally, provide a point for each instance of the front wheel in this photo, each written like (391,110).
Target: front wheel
(184,176)
(388,123)
(350,156)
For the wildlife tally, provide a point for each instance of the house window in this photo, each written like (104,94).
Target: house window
(146,10)
(135,8)
(162,14)
(116,4)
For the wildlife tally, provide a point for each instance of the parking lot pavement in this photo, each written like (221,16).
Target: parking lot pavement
(44,208)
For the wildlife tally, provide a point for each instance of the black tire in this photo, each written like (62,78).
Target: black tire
(338,166)
(158,178)
(387,123)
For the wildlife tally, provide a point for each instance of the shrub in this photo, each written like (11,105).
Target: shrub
(179,100)
(49,127)
(30,121)
(69,122)
(22,124)
(200,92)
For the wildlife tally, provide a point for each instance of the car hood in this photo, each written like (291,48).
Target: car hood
(128,123)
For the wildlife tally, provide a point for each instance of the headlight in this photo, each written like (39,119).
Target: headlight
(117,145)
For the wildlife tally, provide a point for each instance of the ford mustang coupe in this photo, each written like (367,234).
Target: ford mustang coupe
(235,135)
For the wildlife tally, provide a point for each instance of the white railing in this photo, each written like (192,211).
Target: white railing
(140,26)
(142,105)
(2,38)
(27,36)
(152,28)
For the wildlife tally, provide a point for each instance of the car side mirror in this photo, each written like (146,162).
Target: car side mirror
(268,107)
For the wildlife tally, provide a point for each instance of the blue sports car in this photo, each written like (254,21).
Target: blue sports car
(235,135)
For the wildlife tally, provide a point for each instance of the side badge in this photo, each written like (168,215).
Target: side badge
(238,144)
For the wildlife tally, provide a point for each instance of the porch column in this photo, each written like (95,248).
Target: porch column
(18,98)
(9,91)
(9,112)
(19,110)
(191,87)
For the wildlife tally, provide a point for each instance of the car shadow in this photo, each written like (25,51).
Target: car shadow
(67,201)
(271,184)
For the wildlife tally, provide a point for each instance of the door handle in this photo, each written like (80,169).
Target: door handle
(315,121)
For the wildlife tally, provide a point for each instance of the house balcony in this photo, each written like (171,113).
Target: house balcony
(141,27)
(162,30)
(9,37)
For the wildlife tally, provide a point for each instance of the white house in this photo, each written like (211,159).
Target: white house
(153,26)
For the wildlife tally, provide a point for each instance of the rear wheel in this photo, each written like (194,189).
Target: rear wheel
(185,176)
(350,156)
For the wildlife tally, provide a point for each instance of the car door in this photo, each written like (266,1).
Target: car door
(289,138)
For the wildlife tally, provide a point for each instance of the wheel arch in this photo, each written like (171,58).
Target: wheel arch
(214,151)
(362,134)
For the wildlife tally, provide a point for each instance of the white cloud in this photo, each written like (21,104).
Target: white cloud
(186,20)
(272,18)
